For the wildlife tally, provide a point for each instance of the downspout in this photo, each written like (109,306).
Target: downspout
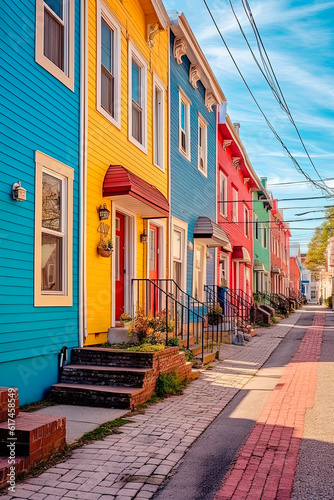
(216,264)
(170,228)
(83,168)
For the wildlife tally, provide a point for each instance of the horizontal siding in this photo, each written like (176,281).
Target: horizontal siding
(38,113)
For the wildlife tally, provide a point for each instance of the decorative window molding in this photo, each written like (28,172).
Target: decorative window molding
(236,161)
(202,145)
(226,143)
(246,221)
(223,194)
(137,71)
(210,100)
(235,205)
(180,49)
(108,65)
(53,253)
(184,125)
(158,123)
(194,75)
(54,39)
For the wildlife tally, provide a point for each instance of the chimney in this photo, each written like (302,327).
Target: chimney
(236,128)
(264,182)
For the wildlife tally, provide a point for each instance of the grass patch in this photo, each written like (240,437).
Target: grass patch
(170,384)
(31,407)
(147,348)
(104,430)
(209,367)
(273,320)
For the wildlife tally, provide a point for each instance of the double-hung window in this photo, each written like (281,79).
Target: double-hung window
(158,123)
(246,211)
(235,205)
(264,233)
(223,195)
(256,227)
(202,145)
(53,232)
(184,124)
(54,47)
(108,66)
(137,99)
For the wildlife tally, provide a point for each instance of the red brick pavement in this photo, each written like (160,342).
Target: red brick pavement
(266,465)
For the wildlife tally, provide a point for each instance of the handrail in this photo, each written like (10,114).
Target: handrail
(240,309)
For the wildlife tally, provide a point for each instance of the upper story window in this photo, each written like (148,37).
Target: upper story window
(223,195)
(235,205)
(53,232)
(158,124)
(54,47)
(264,236)
(184,125)
(256,227)
(202,145)
(137,99)
(108,66)
(246,222)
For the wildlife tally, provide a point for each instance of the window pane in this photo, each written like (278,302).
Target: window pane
(53,40)
(56,6)
(177,244)
(158,131)
(51,202)
(107,47)
(51,261)
(152,254)
(183,118)
(136,82)
(107,91)
(136,122)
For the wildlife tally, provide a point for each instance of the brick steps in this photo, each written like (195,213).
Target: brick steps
(195,349)
(100,356)
(21,465)
(208,357)
(96,395)
(105,375)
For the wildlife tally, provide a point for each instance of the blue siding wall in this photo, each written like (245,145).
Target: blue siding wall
(37,113)
(192,194)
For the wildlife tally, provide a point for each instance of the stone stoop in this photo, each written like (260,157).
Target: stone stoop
(114,378)
(37,437)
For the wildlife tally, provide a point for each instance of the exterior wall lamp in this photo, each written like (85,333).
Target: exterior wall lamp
(144,237)
(18,192)
(103,212)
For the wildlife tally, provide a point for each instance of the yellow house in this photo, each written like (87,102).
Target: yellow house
(126,156)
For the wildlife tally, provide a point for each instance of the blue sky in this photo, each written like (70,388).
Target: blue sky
(299,39)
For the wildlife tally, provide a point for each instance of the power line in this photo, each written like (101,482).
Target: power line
(278,221)
(295,182)
(270,200)
(323,188)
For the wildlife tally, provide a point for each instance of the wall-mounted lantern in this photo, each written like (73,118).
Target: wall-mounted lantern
(19,193)
(144,237)
(103,212)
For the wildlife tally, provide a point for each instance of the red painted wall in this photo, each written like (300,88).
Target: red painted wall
(294,273)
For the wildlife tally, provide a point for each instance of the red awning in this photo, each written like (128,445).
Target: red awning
(241,254)
(133,193)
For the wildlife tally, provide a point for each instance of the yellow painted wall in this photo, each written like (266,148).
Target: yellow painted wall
(107,145)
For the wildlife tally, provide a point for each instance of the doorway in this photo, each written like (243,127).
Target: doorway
(120,270)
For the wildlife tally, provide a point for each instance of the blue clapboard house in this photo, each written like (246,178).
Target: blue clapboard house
(39,200)
(194,96)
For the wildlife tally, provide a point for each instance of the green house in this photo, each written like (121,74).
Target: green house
(262,205)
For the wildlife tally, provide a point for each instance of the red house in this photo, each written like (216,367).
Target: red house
(235,182)
(280,252)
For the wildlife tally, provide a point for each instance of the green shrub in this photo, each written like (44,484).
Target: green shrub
(147,348)
(169,384)
(328,301)
(173,342)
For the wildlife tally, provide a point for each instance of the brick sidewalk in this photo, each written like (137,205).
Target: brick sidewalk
(266,465)
(134,463)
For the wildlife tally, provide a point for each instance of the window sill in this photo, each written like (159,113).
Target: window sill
(51,68)
(137,144)
(107,116)
(203,172)
(186,156)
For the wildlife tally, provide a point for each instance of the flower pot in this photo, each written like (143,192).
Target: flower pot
(104,252)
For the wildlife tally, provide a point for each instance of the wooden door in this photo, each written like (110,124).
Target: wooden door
(119,265)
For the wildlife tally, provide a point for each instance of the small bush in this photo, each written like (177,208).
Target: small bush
(273,319)
(173,342)
(147,348)
(169,384)
(328,301)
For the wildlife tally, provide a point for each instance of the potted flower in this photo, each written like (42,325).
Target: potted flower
(105,248)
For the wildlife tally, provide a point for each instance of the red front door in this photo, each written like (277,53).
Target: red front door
(119,265)
(154,265)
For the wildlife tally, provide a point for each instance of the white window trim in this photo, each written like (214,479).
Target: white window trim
(133,53)
(181,226)
(235,216)
(256,227)
(41,59)
(162,248)
(111,21)
(157,83)
(222,206)
(186,101)
(65,298)
(204,126)
(264,235)
(246,211)
(203,270)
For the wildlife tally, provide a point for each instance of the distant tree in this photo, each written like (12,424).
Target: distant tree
(316,253)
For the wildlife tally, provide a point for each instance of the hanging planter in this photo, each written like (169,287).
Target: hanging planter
(105,248)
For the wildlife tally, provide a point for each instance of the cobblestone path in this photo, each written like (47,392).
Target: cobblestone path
(134,463)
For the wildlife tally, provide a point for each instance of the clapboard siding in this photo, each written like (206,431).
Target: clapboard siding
(38,113)
(192,194)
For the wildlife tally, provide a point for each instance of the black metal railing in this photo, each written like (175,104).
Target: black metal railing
(189,317)
(233,301)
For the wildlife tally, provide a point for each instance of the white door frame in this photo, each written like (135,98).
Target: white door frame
(162,246)
(181,226)
(204,247)
(130,254)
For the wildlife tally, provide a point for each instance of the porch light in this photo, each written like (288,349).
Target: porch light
(103,212)
(19,193)
(144,237)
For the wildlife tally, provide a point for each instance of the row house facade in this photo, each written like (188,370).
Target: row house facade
(40,195)
(280,251)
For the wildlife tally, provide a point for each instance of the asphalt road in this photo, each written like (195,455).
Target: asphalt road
(204,466)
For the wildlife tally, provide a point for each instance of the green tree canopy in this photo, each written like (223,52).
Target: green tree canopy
(316,253)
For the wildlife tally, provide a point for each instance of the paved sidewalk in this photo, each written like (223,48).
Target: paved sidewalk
(267,462)
(134,463)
